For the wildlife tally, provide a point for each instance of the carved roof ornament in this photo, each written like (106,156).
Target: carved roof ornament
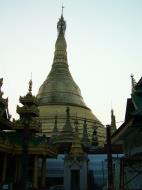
(133,83)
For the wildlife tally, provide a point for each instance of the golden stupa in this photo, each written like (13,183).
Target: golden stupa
(59,91)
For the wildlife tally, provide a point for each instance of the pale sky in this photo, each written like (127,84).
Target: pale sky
(104,45)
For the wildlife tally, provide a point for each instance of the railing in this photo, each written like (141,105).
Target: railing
(57,187)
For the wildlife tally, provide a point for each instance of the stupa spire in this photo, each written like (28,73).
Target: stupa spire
(60,55)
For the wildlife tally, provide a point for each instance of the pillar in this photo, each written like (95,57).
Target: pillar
(43,172)
(35,174)
(17,173)
(4,170)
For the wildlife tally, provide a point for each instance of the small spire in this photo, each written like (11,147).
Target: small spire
(113,122)
(68,111)
(85,138)
(76,148)
(95,138)
(133,83)
(55,129)
(30,85)
(76,124)
(68,127)
(1,83)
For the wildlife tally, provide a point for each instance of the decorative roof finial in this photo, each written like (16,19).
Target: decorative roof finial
(30,85)
(133,83)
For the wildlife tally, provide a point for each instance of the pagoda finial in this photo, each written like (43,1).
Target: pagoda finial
(30,85)
(133,83)
(1,83)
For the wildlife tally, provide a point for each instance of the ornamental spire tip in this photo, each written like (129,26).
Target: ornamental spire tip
(62,9)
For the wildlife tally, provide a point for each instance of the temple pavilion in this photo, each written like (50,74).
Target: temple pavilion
(21,146)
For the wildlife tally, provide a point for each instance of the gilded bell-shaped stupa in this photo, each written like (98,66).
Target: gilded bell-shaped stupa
(59,91)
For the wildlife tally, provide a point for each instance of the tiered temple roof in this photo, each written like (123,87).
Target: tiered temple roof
(133,115)
(11,133)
